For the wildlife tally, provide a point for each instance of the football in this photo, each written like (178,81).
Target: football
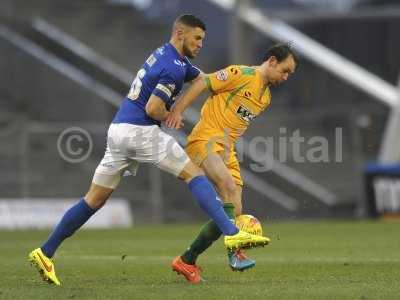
(249,224)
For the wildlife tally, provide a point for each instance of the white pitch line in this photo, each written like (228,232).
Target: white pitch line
(264,259)
(114,257)
(328,260)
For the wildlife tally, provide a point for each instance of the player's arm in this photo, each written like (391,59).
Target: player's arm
(196,88)
(156,109)
(156,106)
(195,77)
(175,118)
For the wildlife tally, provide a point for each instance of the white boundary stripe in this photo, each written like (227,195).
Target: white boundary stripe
(114,257)
(327,260)
(266,258)
(23,213)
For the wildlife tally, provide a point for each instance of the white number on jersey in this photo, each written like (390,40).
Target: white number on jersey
(136,85)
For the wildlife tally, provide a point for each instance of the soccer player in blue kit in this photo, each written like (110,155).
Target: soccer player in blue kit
(135,137)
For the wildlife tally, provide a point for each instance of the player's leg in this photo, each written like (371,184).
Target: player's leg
(218,173)
(218,170)
(206,196)
(204,193)
(208,200)
(237,259)
(230,189)
(72,220)
(165,152)
(100,190)
(76,216)
(175,161)
(224,172)
(107,177)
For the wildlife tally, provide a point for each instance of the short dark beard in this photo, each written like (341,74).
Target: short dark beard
(187,52)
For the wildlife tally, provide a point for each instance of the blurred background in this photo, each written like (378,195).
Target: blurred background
(67,64)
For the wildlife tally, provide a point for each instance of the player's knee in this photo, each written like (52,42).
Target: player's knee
(97,196)
(96,201)
(227,186)
(190,171)
(197,172)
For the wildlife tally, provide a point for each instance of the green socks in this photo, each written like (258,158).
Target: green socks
(209,233)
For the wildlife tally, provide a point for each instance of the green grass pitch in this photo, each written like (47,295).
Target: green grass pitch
(310,260)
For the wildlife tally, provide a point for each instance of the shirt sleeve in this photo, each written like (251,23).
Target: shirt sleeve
(165,86)
(224,80)
(191,73)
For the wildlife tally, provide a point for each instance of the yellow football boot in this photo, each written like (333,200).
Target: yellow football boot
(44,265)
(244,240)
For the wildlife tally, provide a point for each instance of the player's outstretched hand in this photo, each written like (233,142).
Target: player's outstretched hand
(174,120)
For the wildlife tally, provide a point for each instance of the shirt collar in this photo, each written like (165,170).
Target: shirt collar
(176,53)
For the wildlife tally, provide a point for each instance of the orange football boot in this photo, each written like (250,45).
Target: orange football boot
(191,272)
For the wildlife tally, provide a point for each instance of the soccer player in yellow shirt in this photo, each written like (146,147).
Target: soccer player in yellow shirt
(239,94)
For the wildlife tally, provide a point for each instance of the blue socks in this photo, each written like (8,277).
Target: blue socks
(72,220)
(207,198)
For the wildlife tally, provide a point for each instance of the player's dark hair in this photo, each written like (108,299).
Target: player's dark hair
(281,52)
(191,21)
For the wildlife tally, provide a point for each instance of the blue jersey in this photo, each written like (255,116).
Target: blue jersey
(163,74)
